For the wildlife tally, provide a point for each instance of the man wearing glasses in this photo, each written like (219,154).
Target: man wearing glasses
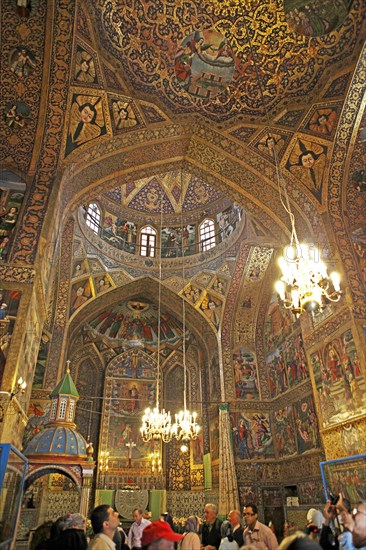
(256,533)
(354,526)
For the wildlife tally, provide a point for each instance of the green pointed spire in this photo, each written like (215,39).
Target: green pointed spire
(66,385)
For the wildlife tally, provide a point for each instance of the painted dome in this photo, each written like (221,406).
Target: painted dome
(59,441)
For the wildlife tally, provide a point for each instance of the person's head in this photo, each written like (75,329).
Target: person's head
(192,524)
(307,159)
(210,513)
(88,113)
(234,517)
(13,210)
(315,517)
(250,514)
(57,527)
(226,530)
(80,291)
(158,535)
(137,515)
(298,541)
(104,520)
(75,521)
(359,528)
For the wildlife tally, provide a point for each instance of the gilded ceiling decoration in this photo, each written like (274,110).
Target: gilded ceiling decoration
(147,39)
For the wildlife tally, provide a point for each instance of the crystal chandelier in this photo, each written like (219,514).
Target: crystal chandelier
(156,423)
(305,284)
(185,426)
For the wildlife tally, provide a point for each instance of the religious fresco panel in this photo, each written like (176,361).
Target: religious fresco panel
(287,365)
(219,285)
(310,18)
(323,122)
(214,433)
(339,381)
(17,114)
(85,66)
(124,115)
(358,238)
(102,283)
(38,416)
(347,477)
(86,121)
(192,293)
(41,362)
(9,303)
(284,432)
(311,492)
(79,268)
(119,233)
(81,292)
(307,431)
(22,61)
(308,162)
(211,307)
(228,220)
(247,494)
(279,323)
(178,241)
(252,435)
(245,374)
(272,144)
(12,191)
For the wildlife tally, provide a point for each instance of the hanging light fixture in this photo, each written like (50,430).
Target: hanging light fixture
(185,426)
(156,423)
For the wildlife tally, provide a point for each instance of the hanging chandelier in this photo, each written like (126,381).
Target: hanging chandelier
(304,284)
(185,426)
(156,423)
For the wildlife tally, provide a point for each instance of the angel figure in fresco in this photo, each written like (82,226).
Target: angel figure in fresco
(307,163)
(86,121)
(84,67)
(322,121)
(123,115)
(22,62)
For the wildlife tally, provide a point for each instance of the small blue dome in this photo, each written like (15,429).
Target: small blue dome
(57,440)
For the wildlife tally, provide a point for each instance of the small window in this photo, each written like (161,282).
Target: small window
(53,409)
(62,409)
(148,241)
(70,412)
(207,235)
(93,217)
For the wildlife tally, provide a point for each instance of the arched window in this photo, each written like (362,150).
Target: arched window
(148,241)
(93,217)
(207,235)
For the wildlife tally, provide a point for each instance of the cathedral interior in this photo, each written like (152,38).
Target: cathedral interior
(156,156)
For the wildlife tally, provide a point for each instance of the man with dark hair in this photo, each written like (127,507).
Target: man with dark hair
(136,529)
(211,530)
(104,521)
(257,534)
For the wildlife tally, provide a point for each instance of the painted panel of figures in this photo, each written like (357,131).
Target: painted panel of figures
(11,198)
(119,233)
(41,361)
(311,492)
(247,494)
(279,324)
(358,237)
(87,121)
(284,430)
(252,435)
(340,385)
(245,374)
(287,365)
(80,293)
(228,220)
(214,435)
(312,18)
(38,416)
(178,241)
(9,303)
(307,431)
(122,434)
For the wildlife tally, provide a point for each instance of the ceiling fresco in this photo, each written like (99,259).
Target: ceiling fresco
(273,60)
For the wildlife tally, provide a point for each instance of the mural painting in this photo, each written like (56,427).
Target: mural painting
(22,61)
(87,121)
(80,267)
(279,324)
(311,492)
(192,293)
(287,365)
(123,115)
(80,294)
(41,362)
(307,162)
(306,424)
(358,237)
(247,494)
(245,374)
(351,439)
(177,241)
(84,66)
(272,144)
(211,307)
(312,18)
(102,283)
(340,385)
(228,220)
(9,303)
(252,435)
(197,449)
(17,114)
(284,430)
(323,122)
(214,374)
(134,321)
(219,285)
(12,191)
(204,63)
(119,233)
(129,390)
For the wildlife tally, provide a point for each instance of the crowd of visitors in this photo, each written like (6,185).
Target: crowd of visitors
(337,528)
